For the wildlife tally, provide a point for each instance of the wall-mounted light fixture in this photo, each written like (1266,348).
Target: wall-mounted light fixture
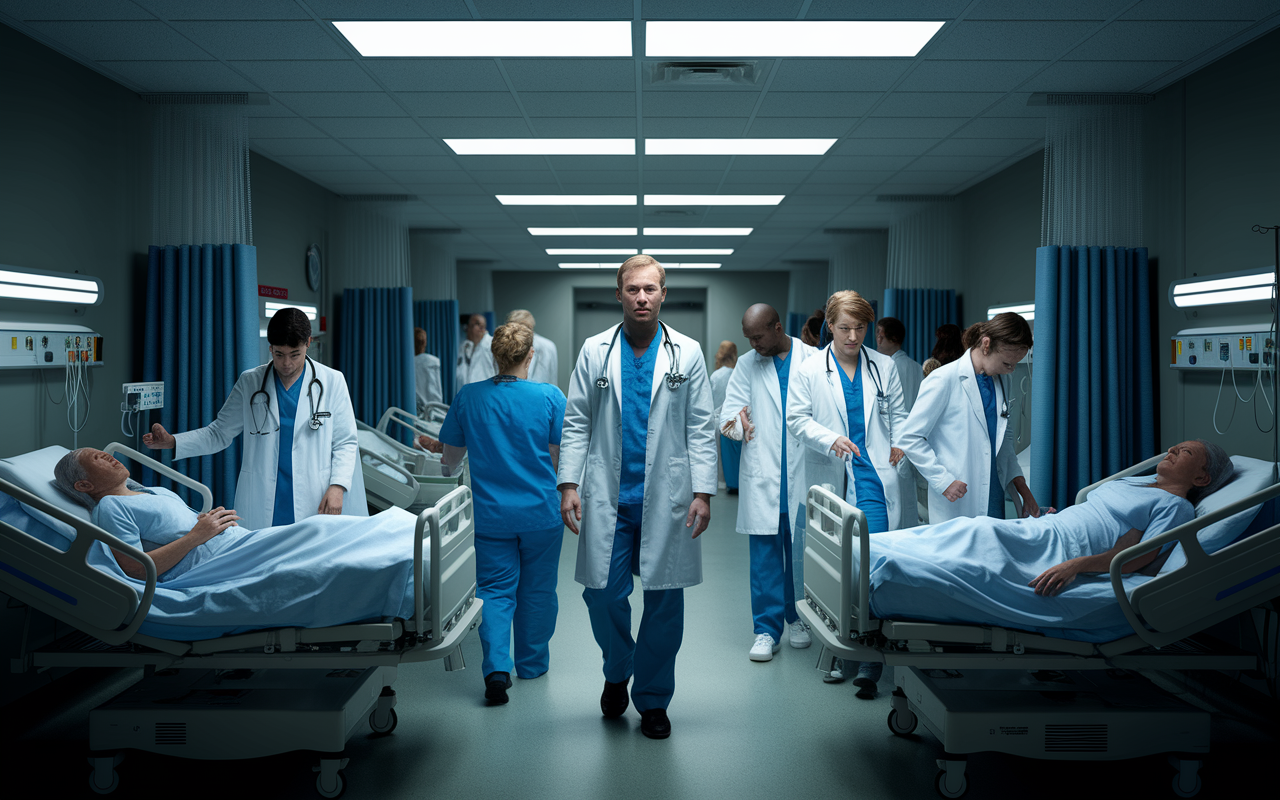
(1227,287)
(1026,310)
(21,283)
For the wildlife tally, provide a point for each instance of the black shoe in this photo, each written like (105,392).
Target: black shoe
(732,491)
(866,688)
(496,685)
(654,723)
(614,699)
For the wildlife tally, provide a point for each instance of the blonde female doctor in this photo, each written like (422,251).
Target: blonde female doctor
(846,407)
(301,455)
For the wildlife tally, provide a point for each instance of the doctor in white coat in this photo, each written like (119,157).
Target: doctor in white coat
(290,401)
(890,334)
(772,475)
(637,471)
(958,434)
(846,407)
(475,358)
(546,360)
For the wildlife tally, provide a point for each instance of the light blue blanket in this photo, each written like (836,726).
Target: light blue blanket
(977,570)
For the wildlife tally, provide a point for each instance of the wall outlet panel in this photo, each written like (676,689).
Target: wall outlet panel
(1214,349)
(143,396)
(34,346)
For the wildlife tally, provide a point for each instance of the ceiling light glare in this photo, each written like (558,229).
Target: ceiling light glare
(713,199)
(698,231)
(488,38)
(542,147)
(566,199)
(737,147)
(592,251)
(1228,296)
(1235,287)
(582,231)
(20,284)
(1026,310)
(689,265)
(588,266)
(272,308)
(688,251)
(788,38)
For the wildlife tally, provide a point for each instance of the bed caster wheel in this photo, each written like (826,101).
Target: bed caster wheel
(334,787)
(948,789)
(1185,792)
(103,778)
(902,723)
(1186,781)
(388,722)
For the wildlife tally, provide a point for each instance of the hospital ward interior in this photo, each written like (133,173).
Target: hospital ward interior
(640,398)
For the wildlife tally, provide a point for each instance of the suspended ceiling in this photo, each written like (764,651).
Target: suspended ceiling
(938,123)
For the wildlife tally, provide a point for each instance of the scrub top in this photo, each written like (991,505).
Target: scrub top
(780,364)
(868,492)
(287,400)
(507,426)
(995,495)
(637,394)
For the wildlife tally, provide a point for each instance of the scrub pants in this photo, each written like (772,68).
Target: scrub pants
(651,657)
(730,460)
(773,595)
(516,578)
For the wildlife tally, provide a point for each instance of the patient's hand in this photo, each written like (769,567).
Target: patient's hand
(956,490)
(159,438)
(1053,580)
(429,444)
(211,523)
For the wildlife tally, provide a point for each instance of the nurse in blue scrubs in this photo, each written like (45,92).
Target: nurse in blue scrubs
(511,427)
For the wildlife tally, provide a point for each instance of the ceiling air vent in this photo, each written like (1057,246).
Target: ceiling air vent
(703,74)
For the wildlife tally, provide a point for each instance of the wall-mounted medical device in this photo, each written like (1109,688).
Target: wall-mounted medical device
(1223,347)
(143,396)
(30,345)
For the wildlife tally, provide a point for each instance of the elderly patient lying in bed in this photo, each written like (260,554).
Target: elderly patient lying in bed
(217,578)
(1038,574)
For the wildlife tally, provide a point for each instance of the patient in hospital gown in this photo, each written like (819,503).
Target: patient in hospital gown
(1034,574)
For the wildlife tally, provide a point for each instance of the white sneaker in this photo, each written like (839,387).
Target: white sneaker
(798,636)
(764,648)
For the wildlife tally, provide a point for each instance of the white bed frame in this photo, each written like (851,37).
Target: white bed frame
(420,481)
(108,612)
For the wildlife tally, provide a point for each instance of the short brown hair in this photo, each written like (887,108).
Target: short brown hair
(851,303)
(640,262)
(726,354)
(510,346)
(1004,330)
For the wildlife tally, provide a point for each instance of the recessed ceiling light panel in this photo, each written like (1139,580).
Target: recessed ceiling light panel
(583,231)
(788,38)
(592,251)
(737,147)
(713,199)
(488,38)
(542,147)
(566,199)
(688,251)
(697,231)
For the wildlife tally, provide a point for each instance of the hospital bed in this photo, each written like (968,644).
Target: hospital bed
(399,475)
(1064,701)
(244,695)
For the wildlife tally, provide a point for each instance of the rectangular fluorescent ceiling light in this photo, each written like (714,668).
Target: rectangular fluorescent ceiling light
(592,251)
(688,251)
(1026,310)
(589,266)
(788,39)
(679,265)
(566,199)
(22,285)
(272,308)
(713,199)
(1235,287)
(582,231)
(698,231)
(488,38)
(737,147)
(542,147)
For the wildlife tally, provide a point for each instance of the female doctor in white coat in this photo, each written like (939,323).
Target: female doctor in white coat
(958,434)
(317,470)
(846,407)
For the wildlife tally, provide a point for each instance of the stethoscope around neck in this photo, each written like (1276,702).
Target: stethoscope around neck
(674,377)
(317,417)
(873,372)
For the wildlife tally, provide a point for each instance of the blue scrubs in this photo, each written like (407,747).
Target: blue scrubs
(868,492)
(506,426)
(995,496)
(773,597)
(730,460)
(650,658)
(287,400)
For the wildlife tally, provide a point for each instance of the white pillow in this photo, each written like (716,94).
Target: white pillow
(1251,475)
(34,472)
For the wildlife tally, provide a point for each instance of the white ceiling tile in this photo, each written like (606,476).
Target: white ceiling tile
(838,74)
(1074,10)
(73,9)
(1002,128)
(180,76)
(579,104)
(698,104)
(264,40)
(1199,9)
(1155,41)
(370,127)
(1097,76)
(304,76)
(499,163)
(477,128)
(887,9)
(122,41)
(578,163)
(881,147)
(596,127)
(847,177)
(950,176)
(865,162)
(571,74)
(340,104)
(460,104)
(1028,41)
(344,176)
(302,147)
(969,76)
(983,147)
(1015,105)
(396,147)
(398,163)
(774,176)
(882,127)
(799,127)
(955,163)
(389,9)
(806,163)
(437,74)
(325,164)
(719,9)
(817,104)
(680,128)
(271,109)
(560,9)
(226,9)
(283,128)
(935,104)
(687,162)
(599,177)
(437,176)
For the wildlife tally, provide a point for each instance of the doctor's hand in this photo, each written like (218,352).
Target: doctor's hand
(159,438)
(744,419)
(844,446)
(895,455)
(955,491)
(570,507)
(429,444)
(331,503)
(699,516)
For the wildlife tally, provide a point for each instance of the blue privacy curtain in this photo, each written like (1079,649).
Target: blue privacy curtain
(1092,410)
(921,311)
(375,352)
(439,318)
(795,323)
(201,333)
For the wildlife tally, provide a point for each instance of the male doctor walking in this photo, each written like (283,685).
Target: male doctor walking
(772,475)
(639,440)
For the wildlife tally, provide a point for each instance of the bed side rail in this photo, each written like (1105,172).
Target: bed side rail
(1140,468)
(450,524)
(400,494)
(166,471)
(64,585)
(435,412)
(398,416)
(417,458)
(1208,588)
(831,526)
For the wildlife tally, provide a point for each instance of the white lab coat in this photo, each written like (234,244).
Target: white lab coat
(545,367)
(680,459)
(475,361)
(909,374)
(816,415)
(946,439)
(719,384)
(321,458)
(754,383)
(426,373)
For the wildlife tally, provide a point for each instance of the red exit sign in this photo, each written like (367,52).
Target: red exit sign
(275,292)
